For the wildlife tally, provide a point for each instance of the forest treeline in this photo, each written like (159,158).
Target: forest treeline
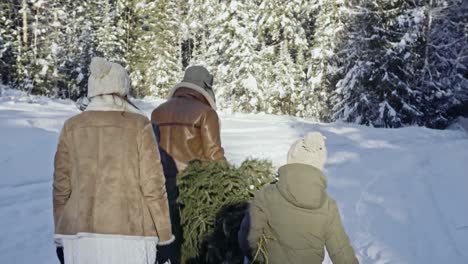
(385,63)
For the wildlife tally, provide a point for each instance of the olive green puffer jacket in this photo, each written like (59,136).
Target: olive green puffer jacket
(298,219)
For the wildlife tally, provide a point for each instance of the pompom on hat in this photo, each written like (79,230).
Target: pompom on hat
(107,78)
(310,150)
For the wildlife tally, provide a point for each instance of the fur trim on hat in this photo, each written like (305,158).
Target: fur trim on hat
(310,150)
(107,78)
(195,88)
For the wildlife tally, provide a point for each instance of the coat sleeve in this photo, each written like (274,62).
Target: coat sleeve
(258,221)
(211,138)
(337,242)
(152,183)
(244,229)
(62,185)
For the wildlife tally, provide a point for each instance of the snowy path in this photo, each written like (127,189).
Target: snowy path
(402,193)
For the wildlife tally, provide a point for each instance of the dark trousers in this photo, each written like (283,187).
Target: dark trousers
(174,212)
(59,251)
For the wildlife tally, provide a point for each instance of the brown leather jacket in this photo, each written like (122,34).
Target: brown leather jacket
(189,128)
(108,178)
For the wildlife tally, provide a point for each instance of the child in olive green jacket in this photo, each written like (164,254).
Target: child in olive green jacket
(295,218)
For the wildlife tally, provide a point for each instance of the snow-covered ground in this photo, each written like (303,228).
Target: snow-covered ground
(403,193)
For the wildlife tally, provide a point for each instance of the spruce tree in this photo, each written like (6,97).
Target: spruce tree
(384,45)
(166,48)
(233,58)
(330,26)
(78,46)
(152,38)
(7,42)
(445,79)
(25,62)
(106,34)
(283,47)
(198,22)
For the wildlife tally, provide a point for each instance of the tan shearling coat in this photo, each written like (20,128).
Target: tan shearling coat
(108,177)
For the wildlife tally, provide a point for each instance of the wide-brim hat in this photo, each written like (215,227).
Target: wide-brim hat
(199,79)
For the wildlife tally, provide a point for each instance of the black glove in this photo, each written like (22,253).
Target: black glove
(165,252)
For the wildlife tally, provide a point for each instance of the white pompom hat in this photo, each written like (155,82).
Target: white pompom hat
(107,78)
(310,150)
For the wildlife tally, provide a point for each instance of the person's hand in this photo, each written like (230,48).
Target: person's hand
(165,252)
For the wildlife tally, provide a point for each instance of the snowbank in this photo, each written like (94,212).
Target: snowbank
(463,123)
(402,192)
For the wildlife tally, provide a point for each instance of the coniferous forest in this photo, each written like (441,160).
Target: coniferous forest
(384,63)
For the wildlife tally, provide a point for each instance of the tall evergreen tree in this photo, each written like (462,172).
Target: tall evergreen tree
(7,42)
(198,22)
(330,26)
(153,45)
(107,35)
(233,57)
(384,45)
(166,47)
(445,79)
(78,46)
(283,47)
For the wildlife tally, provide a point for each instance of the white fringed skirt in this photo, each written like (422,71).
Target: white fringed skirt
(88,248)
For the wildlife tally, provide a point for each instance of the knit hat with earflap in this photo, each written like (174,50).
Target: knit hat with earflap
(198,78)
(310,150)
(107,78)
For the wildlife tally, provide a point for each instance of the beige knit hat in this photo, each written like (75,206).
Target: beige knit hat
(107,78)
(310,150)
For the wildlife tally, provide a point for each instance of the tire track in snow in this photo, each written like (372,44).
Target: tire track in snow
(368,248)
(438,210)
(23,193)
(26,184)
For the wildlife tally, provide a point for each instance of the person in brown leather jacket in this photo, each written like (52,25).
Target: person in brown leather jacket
(188,129)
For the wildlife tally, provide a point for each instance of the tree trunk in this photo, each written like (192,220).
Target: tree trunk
(428,40)
(25,22)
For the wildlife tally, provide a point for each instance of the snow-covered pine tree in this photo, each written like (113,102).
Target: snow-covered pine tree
(283,47)
(153,45)
(384,43)
(140,37)
(107,36)
(34,61)
(54,50)
(78,46)
(282,81)
(360,46)
(330,26)
(198,20)
(24,68)
(7,42)
(39,62)
(166,48)
(233,57)
(445,79)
